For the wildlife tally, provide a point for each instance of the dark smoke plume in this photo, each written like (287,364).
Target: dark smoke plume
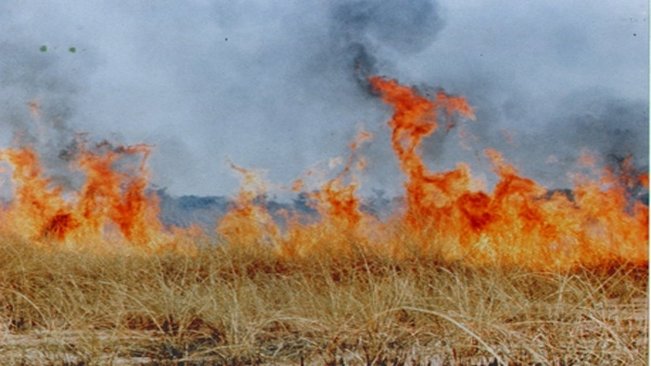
(363,29)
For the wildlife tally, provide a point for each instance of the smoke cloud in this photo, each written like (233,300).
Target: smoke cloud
(360,29)
(39,90)
(282,86)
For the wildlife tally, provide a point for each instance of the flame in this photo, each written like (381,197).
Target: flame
(342,224)
(515,224)
(449,214)
(414,119)
(248,222)
(337,199)
(108,198)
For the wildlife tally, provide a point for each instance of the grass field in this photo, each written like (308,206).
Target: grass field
(244,305)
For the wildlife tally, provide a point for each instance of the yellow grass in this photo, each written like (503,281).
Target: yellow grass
(233,305)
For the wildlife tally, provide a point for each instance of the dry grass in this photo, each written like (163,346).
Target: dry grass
(228,305)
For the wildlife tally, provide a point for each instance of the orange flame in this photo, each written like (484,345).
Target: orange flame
(516,223)
(414,119)
(447,213)
(337,200)
(248,222)
(342,222)
(108,197)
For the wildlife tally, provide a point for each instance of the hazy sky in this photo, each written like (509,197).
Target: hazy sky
(271,84)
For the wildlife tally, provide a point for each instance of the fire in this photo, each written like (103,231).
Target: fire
(337,199)
(109,198)
(515,224)
(341,219)
(446,213)
(414,119)
(248,221)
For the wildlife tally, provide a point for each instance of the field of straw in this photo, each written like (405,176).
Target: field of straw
(236,305)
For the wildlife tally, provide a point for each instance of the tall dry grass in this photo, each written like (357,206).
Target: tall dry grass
(243,305)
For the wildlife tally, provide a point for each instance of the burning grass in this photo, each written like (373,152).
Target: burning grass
(240,305)
(449,212)
(459,275)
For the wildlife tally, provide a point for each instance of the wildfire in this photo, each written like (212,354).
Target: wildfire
(110,202)
(517,223)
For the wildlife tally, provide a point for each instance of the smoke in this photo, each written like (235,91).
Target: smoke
(547,82)
(282,86)
(39,89)
(612,127)
(546,142)
(595,122)
(37,96)
(362,29)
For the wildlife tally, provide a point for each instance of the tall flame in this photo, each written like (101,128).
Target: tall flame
(516,223)
(446,213)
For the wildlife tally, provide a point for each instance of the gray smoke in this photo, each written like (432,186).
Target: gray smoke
(610,128)
(39,89)
(547,145)
(37,94)
(282,86)
(361,29)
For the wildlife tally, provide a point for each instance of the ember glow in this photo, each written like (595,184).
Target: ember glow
(449,213)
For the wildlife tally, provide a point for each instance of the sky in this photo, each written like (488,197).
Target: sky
(280,85)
